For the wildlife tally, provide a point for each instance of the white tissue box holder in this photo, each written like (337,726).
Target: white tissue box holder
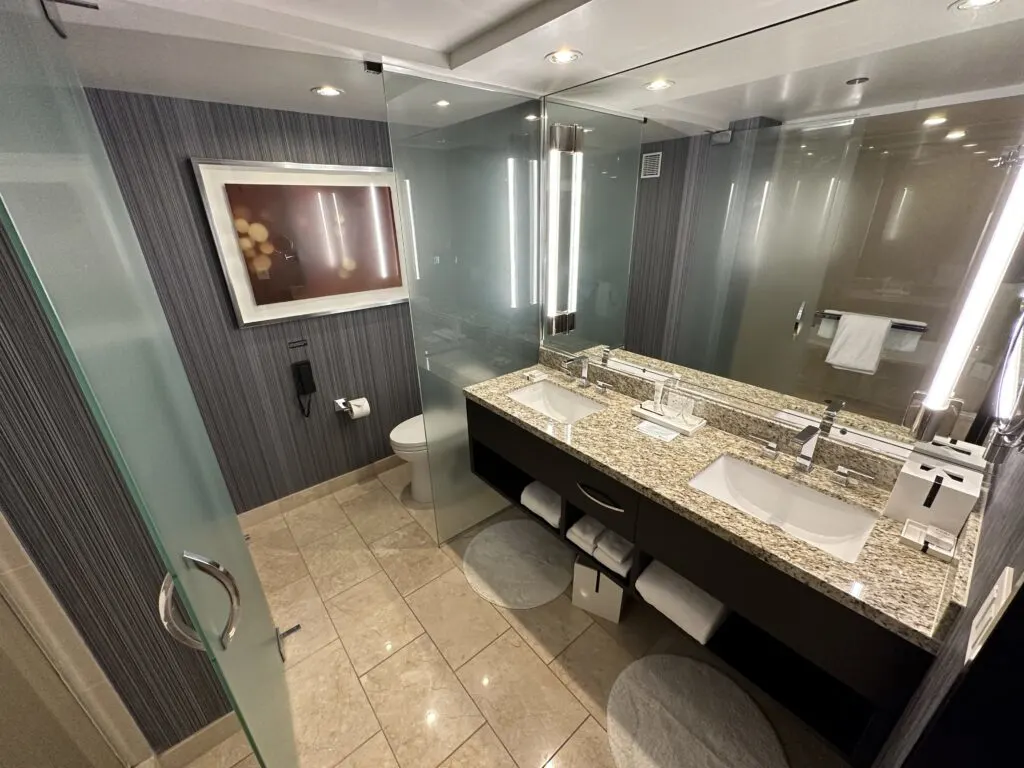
(934,493)
(596,593)
(686,428)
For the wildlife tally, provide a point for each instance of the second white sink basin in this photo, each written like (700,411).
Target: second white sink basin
(556,402)
(831,525)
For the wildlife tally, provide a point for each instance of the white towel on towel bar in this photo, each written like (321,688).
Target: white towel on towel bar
(543,502)
(614,547)
(897,340)
(858,343)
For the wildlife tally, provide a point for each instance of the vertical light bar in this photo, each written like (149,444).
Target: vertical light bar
(828,197)
(331,256)
(760,213)
(412,231)
(576,212)
(378,227)
(554,195)
(513,277)
(534,230)
(728,207)
(994,262)
(338,220)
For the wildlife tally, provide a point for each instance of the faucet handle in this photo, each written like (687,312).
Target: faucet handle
(846,476)
(769,448)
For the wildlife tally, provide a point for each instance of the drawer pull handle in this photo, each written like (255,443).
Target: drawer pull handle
(593,495)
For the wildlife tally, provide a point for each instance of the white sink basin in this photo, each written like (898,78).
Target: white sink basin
(556,402)
(831,525)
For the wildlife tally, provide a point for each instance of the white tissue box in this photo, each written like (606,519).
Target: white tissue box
(954,452)
(595,593)
(934,493)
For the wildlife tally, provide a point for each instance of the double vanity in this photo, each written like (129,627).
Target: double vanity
(804,557)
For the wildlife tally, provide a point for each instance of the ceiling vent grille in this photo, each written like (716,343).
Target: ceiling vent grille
(650,165)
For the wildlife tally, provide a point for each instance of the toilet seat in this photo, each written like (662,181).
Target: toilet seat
(410,435)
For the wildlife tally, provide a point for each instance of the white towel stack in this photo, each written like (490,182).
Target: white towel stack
(692,609)
(614,552)
(543,502)
(585,534)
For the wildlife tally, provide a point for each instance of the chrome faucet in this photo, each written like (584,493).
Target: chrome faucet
(606,354)
(584,378)
(807,438)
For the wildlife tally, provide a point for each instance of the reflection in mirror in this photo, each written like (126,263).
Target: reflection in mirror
(823,224)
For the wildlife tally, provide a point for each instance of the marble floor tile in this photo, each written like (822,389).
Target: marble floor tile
(482,750)
(255,531)
(588,748)
(410,558)
(277,559)
(527,706)
(250,762)
(424,515)
(396,478)
(423,709)
(300,603)
(338,561)
(549,628)
(373,754)
(227,754)
(356,490)
(315,520)
(376,514)
(372,621)
(589,667)
(458,620)
(330,713)
(640,627)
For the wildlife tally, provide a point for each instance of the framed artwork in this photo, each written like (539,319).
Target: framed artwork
(298,240)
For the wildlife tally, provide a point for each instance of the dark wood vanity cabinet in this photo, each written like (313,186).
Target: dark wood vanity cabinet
(820,638)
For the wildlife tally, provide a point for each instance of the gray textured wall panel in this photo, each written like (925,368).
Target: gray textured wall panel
(242,377)
(63,496)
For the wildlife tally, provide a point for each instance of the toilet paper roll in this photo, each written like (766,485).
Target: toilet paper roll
(360,408)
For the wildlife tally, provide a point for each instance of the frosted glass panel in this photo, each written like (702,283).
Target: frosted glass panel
(469,177)
(63,210)
(611,164)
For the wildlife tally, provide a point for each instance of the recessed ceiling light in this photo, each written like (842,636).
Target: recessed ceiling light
(971,5)
(857,80)
(972,144)
(870,147)
(885,151)
(803,146)
(810,154)
(564,56)
(660,84)
(326,90)
(956,135)
(531,118)
(934,120)
(442,103)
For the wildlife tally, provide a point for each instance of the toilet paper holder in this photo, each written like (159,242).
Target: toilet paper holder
(342,405)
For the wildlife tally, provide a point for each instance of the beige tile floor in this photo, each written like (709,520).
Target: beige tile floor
(399,664)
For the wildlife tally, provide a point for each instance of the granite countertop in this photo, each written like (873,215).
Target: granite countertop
(907,592)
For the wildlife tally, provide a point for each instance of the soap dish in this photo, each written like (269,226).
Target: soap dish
(932,541)
(685,428)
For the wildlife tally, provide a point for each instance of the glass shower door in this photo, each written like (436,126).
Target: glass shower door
(62,210)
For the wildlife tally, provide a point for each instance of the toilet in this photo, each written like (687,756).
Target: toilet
(409,442)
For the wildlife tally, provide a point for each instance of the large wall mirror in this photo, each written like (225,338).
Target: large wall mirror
(858,162)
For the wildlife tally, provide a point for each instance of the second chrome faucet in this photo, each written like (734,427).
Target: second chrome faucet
(807,438)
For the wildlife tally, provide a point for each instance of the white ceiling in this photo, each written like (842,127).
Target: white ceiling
(913,51)
(269,52)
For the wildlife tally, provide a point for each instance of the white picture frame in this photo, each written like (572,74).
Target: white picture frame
(212,177)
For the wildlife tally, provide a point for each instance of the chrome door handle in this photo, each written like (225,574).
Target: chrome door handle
(172,620)
(590,495)
(226,580)
(798,320)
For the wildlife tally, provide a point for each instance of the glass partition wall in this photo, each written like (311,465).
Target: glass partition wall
(467,163)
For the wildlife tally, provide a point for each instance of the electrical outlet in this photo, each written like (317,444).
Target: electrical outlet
(989,612)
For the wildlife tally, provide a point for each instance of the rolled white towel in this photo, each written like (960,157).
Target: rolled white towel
(615,548)
(619,567)
(543,502)
(588,530)
(575,539)
(692,609)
